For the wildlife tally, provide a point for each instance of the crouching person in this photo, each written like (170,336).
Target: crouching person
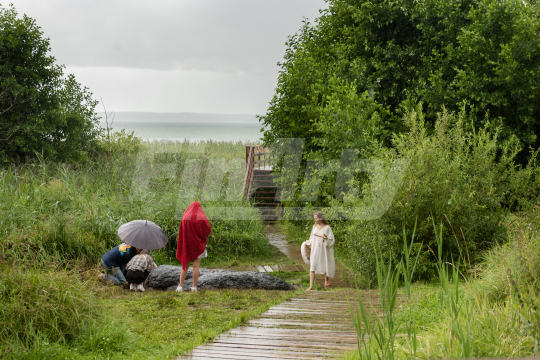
(138,270)
(115,260)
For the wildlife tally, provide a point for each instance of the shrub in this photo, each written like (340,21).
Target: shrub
(463,178)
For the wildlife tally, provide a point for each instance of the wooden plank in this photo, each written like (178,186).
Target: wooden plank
(247,348)
(275,268)
(252,268)
(322,307)
(329,308)
(302,324)
(262,347)
(260,268)
(294,268)
(285,344)
(300,268)
(312,321)
(288,268)
(307,339)
(220,355)
(268,268)
(298,332)
(283,268)
(251,353)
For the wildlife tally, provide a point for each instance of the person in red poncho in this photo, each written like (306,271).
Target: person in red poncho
(192,235)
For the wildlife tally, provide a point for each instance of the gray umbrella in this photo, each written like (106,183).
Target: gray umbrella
(143,234)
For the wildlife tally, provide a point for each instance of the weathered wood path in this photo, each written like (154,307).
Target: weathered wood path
(311,325)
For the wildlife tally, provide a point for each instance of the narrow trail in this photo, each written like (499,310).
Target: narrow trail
(310,325)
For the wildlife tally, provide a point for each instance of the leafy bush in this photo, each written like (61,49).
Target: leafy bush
(461,177)
(120,143)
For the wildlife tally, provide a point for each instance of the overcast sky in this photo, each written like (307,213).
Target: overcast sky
(204,56)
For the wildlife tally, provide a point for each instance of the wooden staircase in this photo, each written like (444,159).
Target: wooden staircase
(259,184)
(263,195)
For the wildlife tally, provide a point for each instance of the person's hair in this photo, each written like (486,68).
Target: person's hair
(320,215)
(145,252)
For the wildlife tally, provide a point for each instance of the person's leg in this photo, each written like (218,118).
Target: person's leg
(196,265)
(119,276)
(141,277)
(183,275)
(114,275)
(326,282)
(311,279)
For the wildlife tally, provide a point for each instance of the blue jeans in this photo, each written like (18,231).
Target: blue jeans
(115,274)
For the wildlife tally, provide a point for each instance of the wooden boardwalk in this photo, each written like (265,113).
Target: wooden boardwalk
(311,325)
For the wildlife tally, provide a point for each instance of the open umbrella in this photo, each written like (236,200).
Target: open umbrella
(143,234)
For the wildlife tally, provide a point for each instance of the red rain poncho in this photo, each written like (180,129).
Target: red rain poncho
(192,234)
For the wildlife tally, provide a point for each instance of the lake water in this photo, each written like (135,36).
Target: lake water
(194,131)
(180,126)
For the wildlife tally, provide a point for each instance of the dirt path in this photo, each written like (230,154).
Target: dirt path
(311,325)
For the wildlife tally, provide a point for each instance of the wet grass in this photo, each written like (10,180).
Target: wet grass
(153,324)
(300,279)
(57,220)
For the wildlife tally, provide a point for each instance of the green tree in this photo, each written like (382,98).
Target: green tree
(41,110)
(439,52)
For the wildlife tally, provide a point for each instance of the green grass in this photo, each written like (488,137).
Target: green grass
(58,213)
(297,278)
(168,324)
(493,312)
(152,325)
(57,220)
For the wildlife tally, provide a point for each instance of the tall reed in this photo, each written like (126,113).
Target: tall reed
(465,321)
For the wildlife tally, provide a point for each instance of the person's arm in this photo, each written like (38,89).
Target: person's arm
(329,241)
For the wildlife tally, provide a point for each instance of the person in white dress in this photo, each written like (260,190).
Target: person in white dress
(321,256)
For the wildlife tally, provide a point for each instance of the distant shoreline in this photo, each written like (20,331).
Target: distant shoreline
(185,117)
(193,131)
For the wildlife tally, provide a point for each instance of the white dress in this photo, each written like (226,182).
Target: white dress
(322,251)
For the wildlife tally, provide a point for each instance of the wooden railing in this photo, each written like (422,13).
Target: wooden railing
(257,157)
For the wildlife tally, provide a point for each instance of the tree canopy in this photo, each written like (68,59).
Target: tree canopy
(41,110)
(347,77)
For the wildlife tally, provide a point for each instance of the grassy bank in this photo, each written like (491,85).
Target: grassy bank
(150,325)
(57,213)
(57,220)
(491,310)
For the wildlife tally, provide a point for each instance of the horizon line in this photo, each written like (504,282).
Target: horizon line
(183,112)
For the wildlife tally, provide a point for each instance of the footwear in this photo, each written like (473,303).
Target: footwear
(140,287)
(309,288)
(194,289)
(179,289)
(326,285)
(132,287)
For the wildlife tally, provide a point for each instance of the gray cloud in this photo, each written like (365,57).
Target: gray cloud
(228,36)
